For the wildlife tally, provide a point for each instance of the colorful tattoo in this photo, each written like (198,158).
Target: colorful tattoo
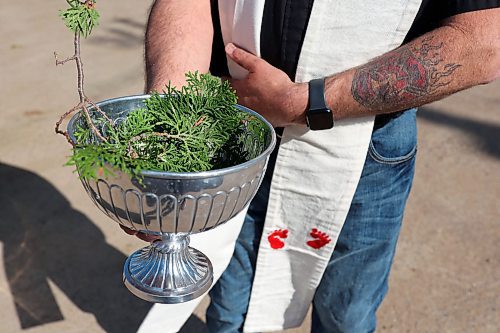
(404,75)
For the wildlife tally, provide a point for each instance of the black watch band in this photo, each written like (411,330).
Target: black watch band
(318,115)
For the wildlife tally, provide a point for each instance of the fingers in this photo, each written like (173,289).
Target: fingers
(128,230)
(146,237)
(140,235)
(243,58)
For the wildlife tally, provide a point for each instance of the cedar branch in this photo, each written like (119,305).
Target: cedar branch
(130,150)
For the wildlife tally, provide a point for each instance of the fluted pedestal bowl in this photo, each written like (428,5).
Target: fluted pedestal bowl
(173,206)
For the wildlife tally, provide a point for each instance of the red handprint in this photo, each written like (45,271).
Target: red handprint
(275,237)
(320,239)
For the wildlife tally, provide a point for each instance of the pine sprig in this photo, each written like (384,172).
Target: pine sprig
(196,128)
(81,17)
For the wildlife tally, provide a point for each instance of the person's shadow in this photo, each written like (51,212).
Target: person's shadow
(45,238)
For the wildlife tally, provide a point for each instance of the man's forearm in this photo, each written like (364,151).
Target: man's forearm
(463,52)
(460,54)
(178,39)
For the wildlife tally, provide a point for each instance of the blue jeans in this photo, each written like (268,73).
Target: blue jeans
(355,280)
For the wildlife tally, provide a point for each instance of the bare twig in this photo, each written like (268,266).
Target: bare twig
(62,62)
(66,114)
(91,123)
(98,109)
(84,100)
(199,121)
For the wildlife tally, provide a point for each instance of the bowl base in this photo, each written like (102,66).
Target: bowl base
(168,277)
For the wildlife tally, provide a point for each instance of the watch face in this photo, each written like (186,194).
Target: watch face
(320,119)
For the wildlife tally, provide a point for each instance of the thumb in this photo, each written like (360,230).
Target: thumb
(243,58)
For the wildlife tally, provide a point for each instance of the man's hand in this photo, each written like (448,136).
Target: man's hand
(140,235)
(268,90)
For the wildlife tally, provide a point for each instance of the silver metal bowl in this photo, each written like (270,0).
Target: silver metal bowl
(173,206)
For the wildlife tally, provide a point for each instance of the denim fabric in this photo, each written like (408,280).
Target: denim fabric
(355,281)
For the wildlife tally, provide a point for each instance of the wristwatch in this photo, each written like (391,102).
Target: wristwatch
(318,115)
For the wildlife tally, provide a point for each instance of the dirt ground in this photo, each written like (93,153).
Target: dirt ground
(61,258)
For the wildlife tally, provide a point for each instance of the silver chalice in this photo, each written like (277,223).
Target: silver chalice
(173,206)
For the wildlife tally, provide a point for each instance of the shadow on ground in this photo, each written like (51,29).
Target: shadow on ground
(194,325)
(485,135)
(45,238)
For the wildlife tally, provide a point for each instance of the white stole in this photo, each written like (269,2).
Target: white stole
(316,172)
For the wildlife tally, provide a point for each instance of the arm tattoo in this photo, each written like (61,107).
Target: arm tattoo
(408,74)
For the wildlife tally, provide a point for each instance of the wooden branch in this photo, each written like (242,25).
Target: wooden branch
(82,105)
(62,62)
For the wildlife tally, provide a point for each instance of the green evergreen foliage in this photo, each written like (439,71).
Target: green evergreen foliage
(80,17)
(196,128)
